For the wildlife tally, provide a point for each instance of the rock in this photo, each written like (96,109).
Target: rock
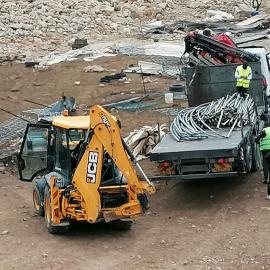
(162,5)
(15,26)
(265,208)
(108,10)
(2,170)
(38,83)
(77,83)
(217,15)
(242,11)
(95,68)
(5,232)
(45,255)
(194,5)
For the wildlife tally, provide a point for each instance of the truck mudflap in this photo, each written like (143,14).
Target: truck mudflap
(193,176)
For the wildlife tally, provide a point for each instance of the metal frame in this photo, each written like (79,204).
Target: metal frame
(19,156)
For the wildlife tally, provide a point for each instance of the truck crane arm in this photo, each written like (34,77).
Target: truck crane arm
(197,45)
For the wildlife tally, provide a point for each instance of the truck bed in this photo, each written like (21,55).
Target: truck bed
(170,149)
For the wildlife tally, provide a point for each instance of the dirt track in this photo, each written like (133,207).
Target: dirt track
(200,225)
(221,224)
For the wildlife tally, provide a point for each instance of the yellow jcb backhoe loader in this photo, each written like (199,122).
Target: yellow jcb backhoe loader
(82,170)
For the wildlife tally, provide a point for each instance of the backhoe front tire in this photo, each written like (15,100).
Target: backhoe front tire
(54,229)
(39,209)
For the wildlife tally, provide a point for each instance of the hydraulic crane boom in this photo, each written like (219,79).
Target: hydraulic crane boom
(219,53)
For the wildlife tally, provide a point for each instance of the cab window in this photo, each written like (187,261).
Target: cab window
(62,153)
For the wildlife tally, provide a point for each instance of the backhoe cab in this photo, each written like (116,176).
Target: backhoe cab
(82,170)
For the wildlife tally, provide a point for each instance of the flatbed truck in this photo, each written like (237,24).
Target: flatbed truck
(214,157)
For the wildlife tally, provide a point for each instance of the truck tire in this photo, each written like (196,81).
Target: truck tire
(53,229)
(248,156)
(256,157)
(177,88)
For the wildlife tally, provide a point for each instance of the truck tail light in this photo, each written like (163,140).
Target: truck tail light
(222,161)
(164,164)
(167,168)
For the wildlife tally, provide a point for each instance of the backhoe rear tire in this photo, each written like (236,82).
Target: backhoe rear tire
(54,229)
(121,225)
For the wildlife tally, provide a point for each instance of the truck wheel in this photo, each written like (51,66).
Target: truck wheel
(248,156)
(39,209)
(177,88)
(54,229)
(121,225)
(256,157)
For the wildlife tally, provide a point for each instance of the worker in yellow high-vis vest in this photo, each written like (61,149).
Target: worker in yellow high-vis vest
(243,76)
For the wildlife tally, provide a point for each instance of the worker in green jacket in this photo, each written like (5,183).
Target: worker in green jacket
(243,76)
(264,139)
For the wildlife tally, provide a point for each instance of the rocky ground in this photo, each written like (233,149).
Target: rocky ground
(210,225)
(36,27)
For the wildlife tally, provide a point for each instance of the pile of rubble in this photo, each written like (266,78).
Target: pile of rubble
(42,26)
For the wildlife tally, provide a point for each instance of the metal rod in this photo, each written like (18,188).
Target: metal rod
(15,115)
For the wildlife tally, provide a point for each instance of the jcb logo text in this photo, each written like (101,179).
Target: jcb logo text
(92,167)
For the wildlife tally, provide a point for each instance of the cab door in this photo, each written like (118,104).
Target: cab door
(35,155)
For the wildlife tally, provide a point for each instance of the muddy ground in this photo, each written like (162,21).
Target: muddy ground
(217,224)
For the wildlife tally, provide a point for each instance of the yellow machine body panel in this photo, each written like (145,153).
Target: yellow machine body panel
(71,122)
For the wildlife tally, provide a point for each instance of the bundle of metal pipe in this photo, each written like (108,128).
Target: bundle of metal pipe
(206,120)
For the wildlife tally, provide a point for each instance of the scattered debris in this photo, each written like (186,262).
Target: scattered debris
(87,53)
(265,208)
(79,43)
(125,101)
(12,130)
(142,141)
(242,10)
(157,27)
(177,88)
(146,68)
(16,88)
(32,64)
(169,111)
(245,39)
(116,76)
(77,83)
(96,68)
(2,168)
(5,232)
(218,16)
